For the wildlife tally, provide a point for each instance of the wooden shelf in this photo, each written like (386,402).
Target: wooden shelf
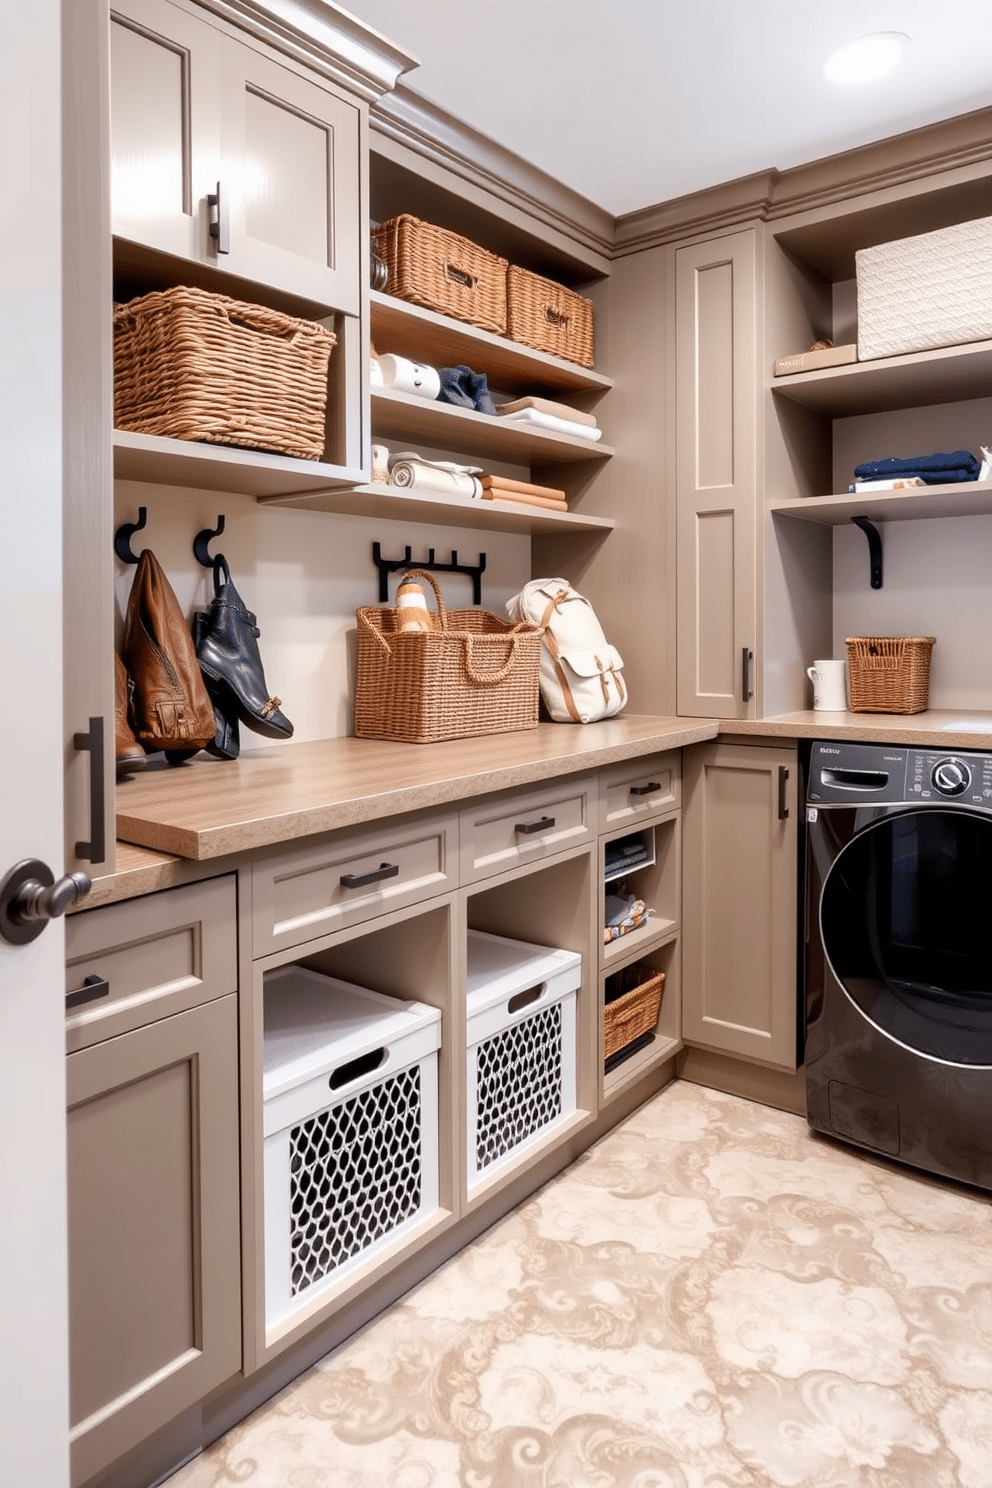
(219,467)
(423,335)
(631,1070)
(973,499)
(395,504)
(462,430)
(917,380)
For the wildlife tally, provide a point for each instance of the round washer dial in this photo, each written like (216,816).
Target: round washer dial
(950,776)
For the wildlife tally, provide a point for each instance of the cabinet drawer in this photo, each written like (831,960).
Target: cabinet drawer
(523,828)
(149,957)
(637,789)
(350,877)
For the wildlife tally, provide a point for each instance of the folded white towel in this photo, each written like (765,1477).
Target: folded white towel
(539,420)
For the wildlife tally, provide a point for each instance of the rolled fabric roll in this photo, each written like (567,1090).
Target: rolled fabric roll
(422,475)
(404,376)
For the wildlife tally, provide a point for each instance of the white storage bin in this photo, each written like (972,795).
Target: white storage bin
(927,291)
(521,1046)
(350,1113)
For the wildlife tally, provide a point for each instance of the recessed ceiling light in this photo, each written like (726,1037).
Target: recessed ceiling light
(870,57)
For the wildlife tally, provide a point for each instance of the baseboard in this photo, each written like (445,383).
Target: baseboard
(783,1089)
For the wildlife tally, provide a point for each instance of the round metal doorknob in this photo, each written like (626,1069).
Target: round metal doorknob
(30,897)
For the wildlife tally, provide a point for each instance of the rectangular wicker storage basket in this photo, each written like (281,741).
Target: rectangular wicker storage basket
(194,365)
(473,674)
(548,316)
(443,271)
(633,997)
(889,674)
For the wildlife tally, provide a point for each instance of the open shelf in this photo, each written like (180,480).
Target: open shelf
(423,335)
(921,378)
(220,467)
(395,503)
(970,499)
(463,430)
(667,1040)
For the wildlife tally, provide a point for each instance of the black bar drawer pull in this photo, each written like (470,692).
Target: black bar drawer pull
(93,988)
(783,779)
(359,880)
(220,219)
(747,691)
(646,790)
(543,824)
(94,851)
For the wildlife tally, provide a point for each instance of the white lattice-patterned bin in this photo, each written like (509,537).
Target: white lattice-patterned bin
(918,293)
(521,1047)
(350,1112)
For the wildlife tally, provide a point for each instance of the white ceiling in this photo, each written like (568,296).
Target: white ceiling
(632,102)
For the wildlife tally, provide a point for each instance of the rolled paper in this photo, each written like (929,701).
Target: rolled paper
(404,376)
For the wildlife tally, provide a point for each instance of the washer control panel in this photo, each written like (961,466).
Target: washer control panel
(964,778)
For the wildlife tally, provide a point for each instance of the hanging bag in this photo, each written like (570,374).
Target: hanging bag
(581,674)
(170,708)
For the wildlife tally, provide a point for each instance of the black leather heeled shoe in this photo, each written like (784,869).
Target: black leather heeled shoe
(227,650)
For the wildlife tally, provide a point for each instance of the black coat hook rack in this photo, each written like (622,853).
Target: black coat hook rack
(873,535)
(124,534)
(202,541)
(386,566)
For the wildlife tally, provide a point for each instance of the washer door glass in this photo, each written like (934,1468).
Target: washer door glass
(906,925)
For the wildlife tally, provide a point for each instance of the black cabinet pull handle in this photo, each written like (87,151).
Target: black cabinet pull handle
(646,790)
(543,824)
(747,691)
(783,777)
(94,851)
(220,225)
(359,880)
(93,988)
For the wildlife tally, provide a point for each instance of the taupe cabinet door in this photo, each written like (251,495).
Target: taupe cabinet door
(190,108)
(154,1231)
(739,901)
(716,408)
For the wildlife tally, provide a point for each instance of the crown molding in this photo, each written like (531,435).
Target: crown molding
(950,144)
(410,120)
(326,38)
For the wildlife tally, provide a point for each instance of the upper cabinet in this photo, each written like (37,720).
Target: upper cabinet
(224,157)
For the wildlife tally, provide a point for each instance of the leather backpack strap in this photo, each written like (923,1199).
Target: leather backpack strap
(552,646)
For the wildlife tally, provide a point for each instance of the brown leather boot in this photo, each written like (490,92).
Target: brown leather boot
(129,753)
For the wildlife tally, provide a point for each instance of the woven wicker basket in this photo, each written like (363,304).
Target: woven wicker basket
(635,997)
(473,674)
(443,271)
(193,365)
(889,674)
(547,316)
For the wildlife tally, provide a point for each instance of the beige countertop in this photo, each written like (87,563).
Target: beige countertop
(937,727)
(208,808)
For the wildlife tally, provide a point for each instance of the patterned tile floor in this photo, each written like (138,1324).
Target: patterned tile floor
(711,1297)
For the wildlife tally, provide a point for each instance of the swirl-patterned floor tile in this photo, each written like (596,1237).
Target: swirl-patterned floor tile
(711,1297)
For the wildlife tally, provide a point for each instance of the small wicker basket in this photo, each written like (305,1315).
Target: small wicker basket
(472,674)
(445,272)
(633,997)
(889,674)
(194,365)
(548,316)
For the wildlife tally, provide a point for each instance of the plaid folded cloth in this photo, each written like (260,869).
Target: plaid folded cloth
(934,470)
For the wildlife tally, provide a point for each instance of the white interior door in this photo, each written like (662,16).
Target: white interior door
(33,1338)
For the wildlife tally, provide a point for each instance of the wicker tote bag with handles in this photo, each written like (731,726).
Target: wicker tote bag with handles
(581,674)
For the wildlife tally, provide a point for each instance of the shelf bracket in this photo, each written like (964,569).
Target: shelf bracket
(386,566)
(871,532)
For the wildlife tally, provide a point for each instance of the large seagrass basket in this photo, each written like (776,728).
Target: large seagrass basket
(443,271)
(200,366)
(549,317)
(889,674)
(472,674)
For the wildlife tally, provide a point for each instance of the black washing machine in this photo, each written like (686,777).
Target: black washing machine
(898,952)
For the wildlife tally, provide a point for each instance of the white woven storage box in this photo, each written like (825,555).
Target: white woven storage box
(350,1115)
(919,293)
(521,1046)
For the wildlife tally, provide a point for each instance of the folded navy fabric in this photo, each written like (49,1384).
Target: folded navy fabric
(934,470)
(466,389)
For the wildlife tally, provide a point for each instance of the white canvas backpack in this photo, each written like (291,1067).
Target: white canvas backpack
(581,673)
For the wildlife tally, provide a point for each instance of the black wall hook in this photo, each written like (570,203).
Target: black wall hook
(124,534)
(871,532)
(386,566)
(202,541)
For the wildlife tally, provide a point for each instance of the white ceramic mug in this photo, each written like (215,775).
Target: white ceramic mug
(829,679)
